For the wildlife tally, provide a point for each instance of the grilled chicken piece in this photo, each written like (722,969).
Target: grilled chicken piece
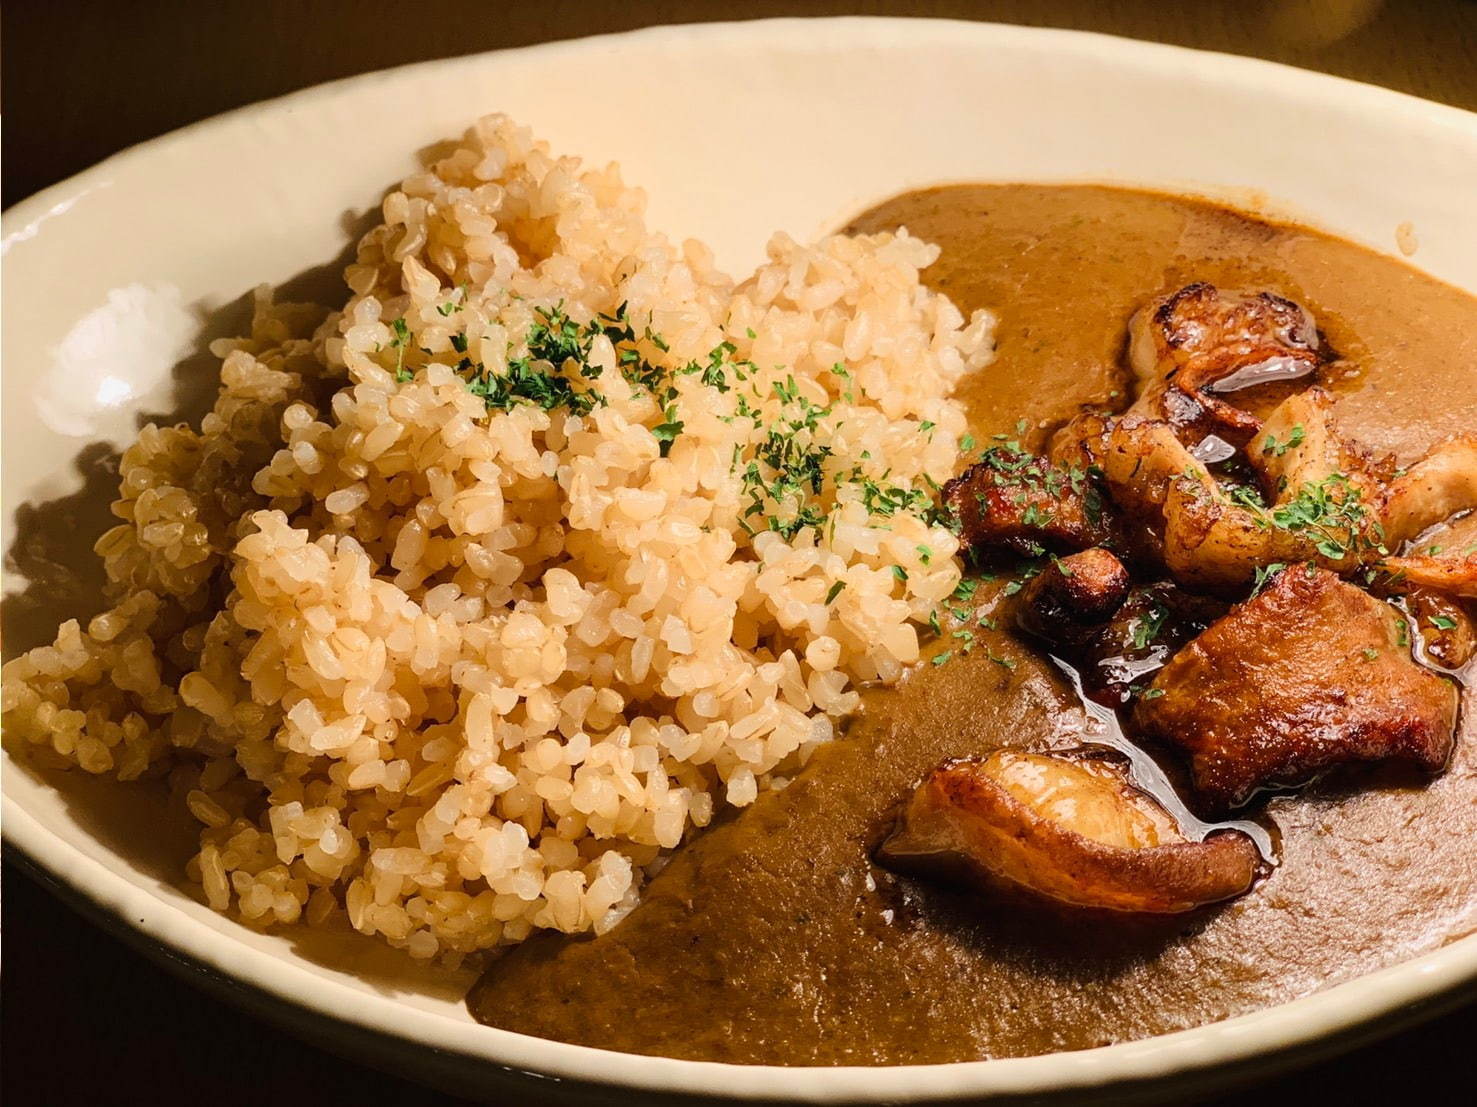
(1440,485)
(1072,598)
(1300,447)
(1018,501)
(1211,538)
(1073,831)
(1455,574)
(1192,347)
(1139,640)
(1311,673)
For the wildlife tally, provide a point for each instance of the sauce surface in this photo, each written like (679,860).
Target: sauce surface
(774,939)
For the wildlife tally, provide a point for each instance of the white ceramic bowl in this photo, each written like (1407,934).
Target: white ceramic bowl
(735,130)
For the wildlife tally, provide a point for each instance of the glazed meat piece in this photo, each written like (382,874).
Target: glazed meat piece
(1142,636)
(1444,626)
(1073,597)
(1309,674)
(1020,502)
(1072,831)
(1190,348)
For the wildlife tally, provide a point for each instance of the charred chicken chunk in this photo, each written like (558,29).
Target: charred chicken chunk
(1073,831)
(1440,485)
(1217,537)
(1311,673)
(1190,348)
(1073,597)
(1019,501)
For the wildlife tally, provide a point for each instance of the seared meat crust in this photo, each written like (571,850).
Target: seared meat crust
(1200,340)
(1018,501)
(1073,597)
(1311,673)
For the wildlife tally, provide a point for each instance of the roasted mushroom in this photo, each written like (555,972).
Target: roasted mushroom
(1300,447)
(1311,673)
(1440,485)
(1190,348)
(1437,488)
(1322,497)
(1073,597)
(1073,831)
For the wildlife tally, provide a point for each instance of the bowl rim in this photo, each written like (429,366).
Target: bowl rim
(1269,1033)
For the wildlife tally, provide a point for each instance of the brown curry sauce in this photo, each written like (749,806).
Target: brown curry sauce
(773,938)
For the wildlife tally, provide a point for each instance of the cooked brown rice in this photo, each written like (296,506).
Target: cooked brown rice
(453,667)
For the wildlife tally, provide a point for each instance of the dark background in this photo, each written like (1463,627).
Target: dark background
(85,1019)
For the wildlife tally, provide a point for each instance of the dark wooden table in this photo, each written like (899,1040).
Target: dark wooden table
(88,1021)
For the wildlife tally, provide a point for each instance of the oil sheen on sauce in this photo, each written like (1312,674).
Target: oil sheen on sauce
(772,938)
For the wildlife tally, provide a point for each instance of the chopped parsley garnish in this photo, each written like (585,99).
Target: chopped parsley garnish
(1147,626)
(666,432)
(1265,573)
(1294,438)
(1331,512)
(1442,622)
(942,658)
(401,340)
(1370,653)
(788,477)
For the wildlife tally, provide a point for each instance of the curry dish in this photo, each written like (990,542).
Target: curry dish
(1187,742)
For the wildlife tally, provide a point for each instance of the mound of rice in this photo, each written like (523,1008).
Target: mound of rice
(468,602)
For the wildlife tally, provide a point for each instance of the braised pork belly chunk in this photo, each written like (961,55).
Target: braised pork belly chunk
(1311,673)
(1070,830)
